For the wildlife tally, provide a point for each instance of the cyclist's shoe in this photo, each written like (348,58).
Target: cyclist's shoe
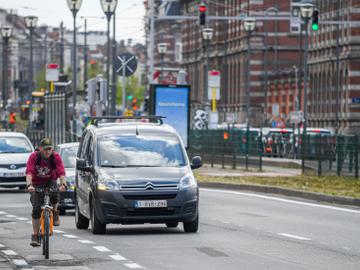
(35,241)
(56,218)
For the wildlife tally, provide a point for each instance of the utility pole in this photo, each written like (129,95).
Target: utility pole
(85,55)
(152,40)
(113,79)
(337,77)
(62,47)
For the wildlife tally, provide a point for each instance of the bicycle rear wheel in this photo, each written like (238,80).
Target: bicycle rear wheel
(46,234)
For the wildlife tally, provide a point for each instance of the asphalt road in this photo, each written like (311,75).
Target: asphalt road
(238,231)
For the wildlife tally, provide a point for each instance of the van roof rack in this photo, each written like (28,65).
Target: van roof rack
(159,119)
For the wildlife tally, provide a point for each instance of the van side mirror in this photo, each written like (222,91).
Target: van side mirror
(196,163)
(81,165)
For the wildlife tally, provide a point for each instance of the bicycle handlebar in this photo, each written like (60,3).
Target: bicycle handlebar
(42,190)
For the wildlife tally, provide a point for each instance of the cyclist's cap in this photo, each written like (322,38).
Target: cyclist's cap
(46,143)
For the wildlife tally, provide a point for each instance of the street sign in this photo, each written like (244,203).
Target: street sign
(52,72)
(275,110)
(296,117)
(127,61)
(355,100)
(214,82)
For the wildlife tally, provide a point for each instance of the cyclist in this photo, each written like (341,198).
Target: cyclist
(43,168)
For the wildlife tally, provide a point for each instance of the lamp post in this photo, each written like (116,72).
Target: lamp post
(31,22)
(162,49)
(207,34)
(109,7)
(6,32)
(266,73)
(74,6)
(307,10)
(249,26)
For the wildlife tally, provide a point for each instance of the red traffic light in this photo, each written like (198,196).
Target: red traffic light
(202,8)
(226,135)
(135,100)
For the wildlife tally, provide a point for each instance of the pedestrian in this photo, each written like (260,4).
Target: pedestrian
(12,120)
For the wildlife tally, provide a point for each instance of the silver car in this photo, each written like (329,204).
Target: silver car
(15,149)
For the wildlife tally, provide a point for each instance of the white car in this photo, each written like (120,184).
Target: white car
(15,149)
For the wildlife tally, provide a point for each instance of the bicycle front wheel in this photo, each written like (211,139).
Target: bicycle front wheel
(46,234)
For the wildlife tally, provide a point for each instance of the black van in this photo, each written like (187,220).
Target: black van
(134,173)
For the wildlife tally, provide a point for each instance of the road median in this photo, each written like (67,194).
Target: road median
(329,189)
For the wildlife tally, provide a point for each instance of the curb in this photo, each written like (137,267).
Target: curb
(285,192)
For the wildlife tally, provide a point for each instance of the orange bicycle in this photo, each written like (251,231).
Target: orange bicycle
(46,220)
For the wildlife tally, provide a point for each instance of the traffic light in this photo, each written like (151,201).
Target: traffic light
(129,97)
(146,104)
(315,20)
(202,14)
(134,104)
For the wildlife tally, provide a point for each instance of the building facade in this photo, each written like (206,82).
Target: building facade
(276,63)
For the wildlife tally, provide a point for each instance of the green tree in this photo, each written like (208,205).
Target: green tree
(133,88)
(40,80)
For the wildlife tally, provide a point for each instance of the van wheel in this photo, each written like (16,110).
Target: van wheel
(81,222)
(172,224)
(192,227)
(96,226)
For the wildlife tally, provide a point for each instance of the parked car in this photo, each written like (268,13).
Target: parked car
(68,152)
(15,149)
(321,143)
(135,173)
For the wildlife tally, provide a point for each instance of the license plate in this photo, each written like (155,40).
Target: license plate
(151,204)
(17,174)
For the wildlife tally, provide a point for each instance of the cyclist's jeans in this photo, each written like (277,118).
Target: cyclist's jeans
(37,199)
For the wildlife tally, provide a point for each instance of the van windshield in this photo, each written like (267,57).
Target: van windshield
(140,151)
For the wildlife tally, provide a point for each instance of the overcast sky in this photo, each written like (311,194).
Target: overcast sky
(129,14)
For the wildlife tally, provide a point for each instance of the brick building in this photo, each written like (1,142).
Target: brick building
(276,63)
(274,48)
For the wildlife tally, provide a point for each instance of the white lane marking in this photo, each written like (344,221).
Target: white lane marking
(71,236)
(86,241)
(133,265)
(102,248)
(20,262)
(225,222)
(30,222)
(2,213)
(22,218)
(294,236)
(58,231)
(346,248)
(283,200)
(9,252)
(117,257)
(2,245)
(11,216)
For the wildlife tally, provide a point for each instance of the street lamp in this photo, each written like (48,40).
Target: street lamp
(6,32)
(109,7)
(266,48)
(249,26)
(207,34)
(74,6)
(162,49)
(306,10)
(31,23)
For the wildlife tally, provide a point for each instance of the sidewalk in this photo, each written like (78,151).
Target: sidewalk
(267,171)
(4,263)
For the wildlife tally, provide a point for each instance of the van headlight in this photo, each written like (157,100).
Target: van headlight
(108,185)
(188,181)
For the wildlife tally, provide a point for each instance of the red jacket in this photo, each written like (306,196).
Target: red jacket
(44,172)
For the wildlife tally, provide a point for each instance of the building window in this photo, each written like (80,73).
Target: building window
(178,52)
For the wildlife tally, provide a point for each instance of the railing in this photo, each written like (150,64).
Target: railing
(321,153)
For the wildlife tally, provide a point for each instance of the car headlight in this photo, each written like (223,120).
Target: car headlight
(188,181)
(108,185)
